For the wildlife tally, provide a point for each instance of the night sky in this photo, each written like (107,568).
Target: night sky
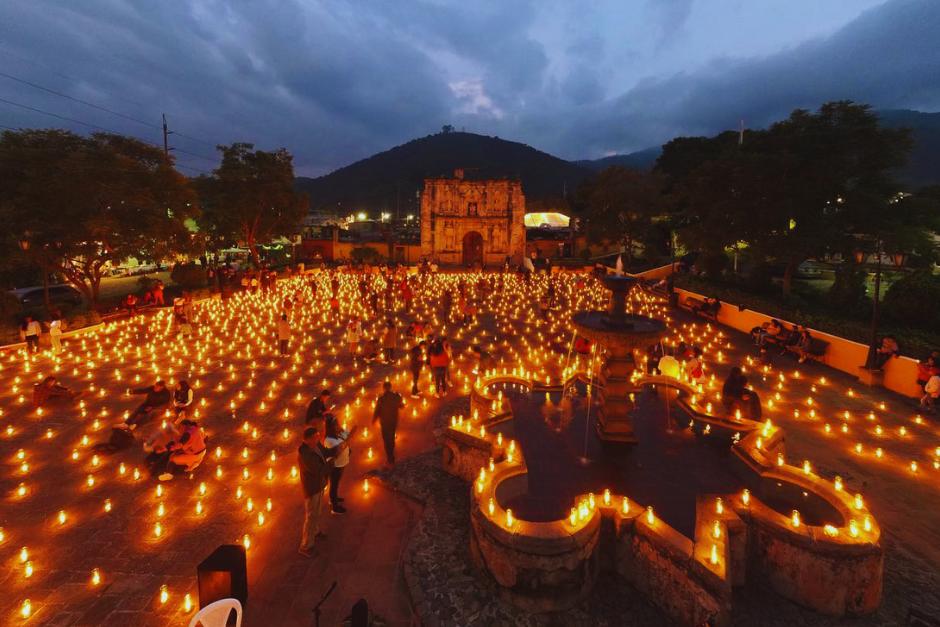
(338,81)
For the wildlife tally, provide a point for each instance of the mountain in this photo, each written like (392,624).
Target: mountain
(924,166)
(388,181)
(640,160)
(922,169)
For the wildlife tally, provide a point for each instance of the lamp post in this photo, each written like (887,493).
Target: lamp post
(24,244)
(899,258)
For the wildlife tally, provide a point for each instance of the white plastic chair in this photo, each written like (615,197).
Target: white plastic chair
(216,614)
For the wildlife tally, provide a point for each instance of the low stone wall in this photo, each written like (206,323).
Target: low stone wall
(538,566)
(662,563)
(838,580)
(465,454)
(900,374)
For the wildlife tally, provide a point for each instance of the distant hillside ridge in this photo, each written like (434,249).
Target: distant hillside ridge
(389,180)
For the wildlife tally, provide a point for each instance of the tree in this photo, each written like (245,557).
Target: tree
(619,204)
(250,197)
(80,204)
(809,185)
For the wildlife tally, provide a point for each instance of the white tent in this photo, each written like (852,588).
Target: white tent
(551,219)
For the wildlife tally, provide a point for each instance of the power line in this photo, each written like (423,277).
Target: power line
(79,100)
(99,107)
(88,124)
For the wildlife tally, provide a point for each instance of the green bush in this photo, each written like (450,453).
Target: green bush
(915,342)
(188,275)
(10,308)
(914,300)
(760,277)
(365,254)
(713,264)
(848,289)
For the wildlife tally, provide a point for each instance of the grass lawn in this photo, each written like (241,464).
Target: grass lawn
(113,289)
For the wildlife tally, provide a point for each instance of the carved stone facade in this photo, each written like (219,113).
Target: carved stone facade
(472,222)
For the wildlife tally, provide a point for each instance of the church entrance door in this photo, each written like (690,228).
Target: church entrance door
(472,249)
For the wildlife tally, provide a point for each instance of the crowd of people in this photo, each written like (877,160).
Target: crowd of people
(380,324)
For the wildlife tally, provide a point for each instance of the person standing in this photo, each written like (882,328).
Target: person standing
(389,340)
(439,360)
(353,334)
(314,474)
(386,413)
(318,407)
(337,443)
(416,356)
(56,326)
(31,332)
(283,333)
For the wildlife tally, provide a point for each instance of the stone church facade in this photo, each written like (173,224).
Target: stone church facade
(470,223)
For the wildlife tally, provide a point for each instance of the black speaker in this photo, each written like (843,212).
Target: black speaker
(223,575)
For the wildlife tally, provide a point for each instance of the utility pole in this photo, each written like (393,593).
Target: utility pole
(166,143)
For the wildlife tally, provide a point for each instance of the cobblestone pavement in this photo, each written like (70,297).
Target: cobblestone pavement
(414,519)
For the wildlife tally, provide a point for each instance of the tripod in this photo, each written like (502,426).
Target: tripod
(316,608)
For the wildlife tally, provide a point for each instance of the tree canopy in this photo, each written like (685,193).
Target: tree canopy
(74,205)
(618,205)
(812,184)
(250,197)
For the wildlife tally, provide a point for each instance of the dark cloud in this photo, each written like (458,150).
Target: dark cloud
(888,58)
(337,81)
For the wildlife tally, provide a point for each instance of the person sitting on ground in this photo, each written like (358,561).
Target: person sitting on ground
(370,351)
(318,407)
(750,402)
(543,306)
(733,389)
(708,308)
(582,345)
(887,349)
(49,389)
(182,397)
(157,396)
(696,366)
(187,452)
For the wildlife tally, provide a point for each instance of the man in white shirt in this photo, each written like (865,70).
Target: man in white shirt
(31,332)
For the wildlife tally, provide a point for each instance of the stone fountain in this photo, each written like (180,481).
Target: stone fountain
(620,334)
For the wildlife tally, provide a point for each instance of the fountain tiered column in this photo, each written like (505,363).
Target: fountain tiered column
(618,335)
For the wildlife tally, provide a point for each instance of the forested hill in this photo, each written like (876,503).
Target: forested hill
(389,180)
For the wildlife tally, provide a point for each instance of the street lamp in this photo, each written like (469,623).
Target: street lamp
(872,345)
